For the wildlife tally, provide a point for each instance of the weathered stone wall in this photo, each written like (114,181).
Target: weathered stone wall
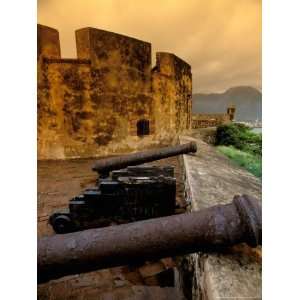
(172,92)
(90,106)
(66,111)
(208,134)
(47,42)
(209,120)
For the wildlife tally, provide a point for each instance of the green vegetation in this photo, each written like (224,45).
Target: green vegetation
(250,162)
(241,145)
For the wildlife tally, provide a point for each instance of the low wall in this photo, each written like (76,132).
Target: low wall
(211,179)
(208,135)
(209,120)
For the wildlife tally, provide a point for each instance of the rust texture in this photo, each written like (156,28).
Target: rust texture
(206,230)
(115,163)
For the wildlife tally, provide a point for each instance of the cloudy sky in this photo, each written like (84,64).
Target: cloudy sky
(220,39)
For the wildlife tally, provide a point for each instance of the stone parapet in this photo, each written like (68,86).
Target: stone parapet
(210,179)
(47,42)
(210,120)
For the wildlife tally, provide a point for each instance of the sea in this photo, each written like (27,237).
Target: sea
(256,129)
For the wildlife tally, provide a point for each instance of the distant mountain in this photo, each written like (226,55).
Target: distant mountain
(246,99)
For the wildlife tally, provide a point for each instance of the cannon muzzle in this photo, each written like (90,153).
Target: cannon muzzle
(208,229)
(115,163)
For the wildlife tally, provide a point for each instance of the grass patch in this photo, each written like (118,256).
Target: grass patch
(244,147)
(249,161)
(240,137)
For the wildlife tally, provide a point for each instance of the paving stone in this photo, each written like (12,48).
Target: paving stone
(120,283)
(134,278)
(122,293)
(151,269)
(231,277)
(158,293)
(58,182)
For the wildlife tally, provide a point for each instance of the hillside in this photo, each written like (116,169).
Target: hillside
(246,99)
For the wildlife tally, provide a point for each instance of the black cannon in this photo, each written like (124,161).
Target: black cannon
(106,165)
(124,195)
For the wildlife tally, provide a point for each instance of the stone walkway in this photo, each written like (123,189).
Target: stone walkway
(211,179)
(58,182)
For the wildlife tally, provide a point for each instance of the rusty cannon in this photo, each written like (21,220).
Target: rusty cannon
(106,165)
(121,196)
(206,230)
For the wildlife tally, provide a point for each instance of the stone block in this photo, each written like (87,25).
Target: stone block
(151,269)
(231,276)
(48,43)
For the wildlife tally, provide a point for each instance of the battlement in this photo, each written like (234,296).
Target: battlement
(106,48)
(48,43)
(171,65)
(212,120)
(103,48)
(108,100)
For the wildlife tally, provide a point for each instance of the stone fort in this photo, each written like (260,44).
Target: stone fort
(109,99)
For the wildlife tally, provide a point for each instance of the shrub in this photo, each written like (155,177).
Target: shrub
(227,135)
(239,136)
(242,127)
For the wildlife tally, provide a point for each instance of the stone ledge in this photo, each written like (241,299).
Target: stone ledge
(231,277)
(210,179)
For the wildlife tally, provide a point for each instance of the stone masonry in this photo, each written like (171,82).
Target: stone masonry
(235,273)
(213,120)
(109,99)
(58,182)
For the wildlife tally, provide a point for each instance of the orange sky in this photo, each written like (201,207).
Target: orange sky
(221,39)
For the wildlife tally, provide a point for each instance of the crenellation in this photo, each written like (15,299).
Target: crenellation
(171,65)
(211,120)
(47,42)
(83,46)
(108,49)
(94,105)
(172,88)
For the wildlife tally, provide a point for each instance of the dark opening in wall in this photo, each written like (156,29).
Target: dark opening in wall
(142,127)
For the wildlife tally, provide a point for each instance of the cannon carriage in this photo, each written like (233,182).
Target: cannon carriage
(125,192)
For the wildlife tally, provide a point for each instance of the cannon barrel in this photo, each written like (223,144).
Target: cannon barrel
(115,163)
(205,230)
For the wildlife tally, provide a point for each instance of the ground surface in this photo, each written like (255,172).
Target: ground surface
(58,182)
(213,179)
